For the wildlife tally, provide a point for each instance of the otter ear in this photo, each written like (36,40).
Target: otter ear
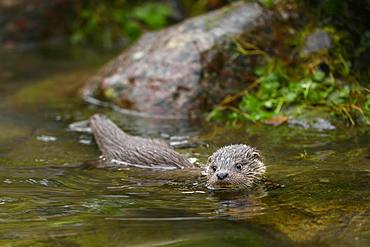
(256,155)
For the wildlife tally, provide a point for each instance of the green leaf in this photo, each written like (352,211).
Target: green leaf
(267,3)
(291,96)
(215,114)
(259,71)
(153,15)
(250,104)
(340,96)
(132,29)
(269,86)
(77,37)
(367,107)
(318,76)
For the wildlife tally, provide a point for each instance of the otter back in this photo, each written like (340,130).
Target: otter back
(128,150)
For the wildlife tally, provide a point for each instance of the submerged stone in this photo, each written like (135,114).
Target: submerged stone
(311,118)
(183,70)
(317,41)
(315,123)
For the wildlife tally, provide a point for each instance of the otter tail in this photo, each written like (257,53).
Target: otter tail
(107,135)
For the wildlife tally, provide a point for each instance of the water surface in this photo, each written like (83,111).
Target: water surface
(47,199)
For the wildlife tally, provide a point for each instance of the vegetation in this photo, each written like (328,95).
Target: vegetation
(108,24)
(326,79)
(120,21)
(284,87)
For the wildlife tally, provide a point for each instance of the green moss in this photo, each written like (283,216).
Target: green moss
(267,3)
(108,23)
(53,90)
(12,132)
(322,79)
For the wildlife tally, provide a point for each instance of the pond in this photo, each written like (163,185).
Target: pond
(48,199)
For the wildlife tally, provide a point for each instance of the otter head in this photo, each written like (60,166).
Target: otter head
(235,166)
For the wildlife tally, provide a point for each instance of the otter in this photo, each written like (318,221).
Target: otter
(233,166)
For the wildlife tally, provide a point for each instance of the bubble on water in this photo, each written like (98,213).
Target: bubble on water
(4,200)
(45,138)
(31,181)
(193,192)
(192,160)
(44,182)
(86,140)
(80,126)
(7,181)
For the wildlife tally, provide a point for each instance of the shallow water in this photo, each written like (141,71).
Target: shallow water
(47,199)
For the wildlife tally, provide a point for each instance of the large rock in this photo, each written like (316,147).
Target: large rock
(183,70)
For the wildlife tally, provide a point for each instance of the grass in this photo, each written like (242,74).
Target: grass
(107,24)
(320,80)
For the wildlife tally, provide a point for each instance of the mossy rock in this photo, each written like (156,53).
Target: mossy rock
(183,70)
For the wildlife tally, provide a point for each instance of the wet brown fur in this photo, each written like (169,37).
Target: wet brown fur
(126,150)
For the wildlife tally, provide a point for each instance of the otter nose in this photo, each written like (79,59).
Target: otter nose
(222,175)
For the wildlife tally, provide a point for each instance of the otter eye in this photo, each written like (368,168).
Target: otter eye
(238,167)
(214,168)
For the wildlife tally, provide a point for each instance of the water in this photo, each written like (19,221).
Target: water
(48,199)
